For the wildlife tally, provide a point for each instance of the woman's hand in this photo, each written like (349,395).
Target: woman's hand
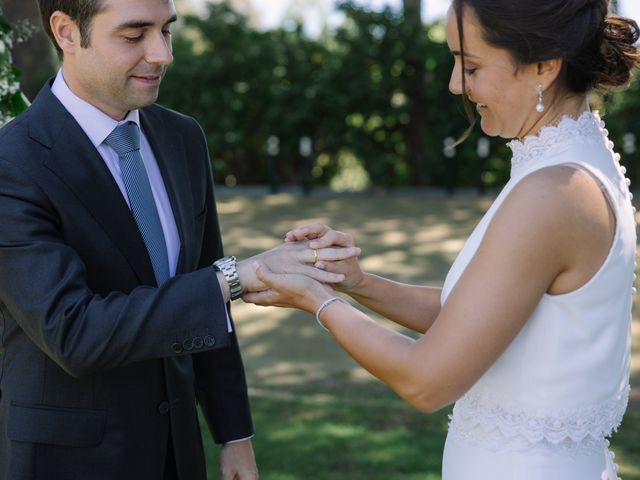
(294,257)
(289,290)
(323,235)
(322,238)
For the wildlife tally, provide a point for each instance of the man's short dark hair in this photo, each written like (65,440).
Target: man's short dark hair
(80,11)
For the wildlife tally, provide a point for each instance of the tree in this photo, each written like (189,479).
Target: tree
(613,6)
(622,116)
(354,92)
(33,56)
(351,92)
(245,86)
(12,101)
(414,87)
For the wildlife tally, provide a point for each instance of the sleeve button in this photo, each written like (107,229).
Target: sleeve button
(197,342)
(188,344)
(163,408)
(176,347)
(209,341)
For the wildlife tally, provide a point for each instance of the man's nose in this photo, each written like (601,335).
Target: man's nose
(159,50)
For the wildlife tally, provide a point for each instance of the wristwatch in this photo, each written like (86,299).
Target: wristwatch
(229,268)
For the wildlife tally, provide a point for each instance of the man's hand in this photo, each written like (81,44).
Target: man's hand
(323,237)
(237,461)
(294,258)
(288,290)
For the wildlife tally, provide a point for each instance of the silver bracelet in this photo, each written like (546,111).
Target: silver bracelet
(324,305)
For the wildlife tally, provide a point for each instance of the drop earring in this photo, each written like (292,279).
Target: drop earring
(540,105)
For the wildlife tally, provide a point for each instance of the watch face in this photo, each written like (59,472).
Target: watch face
(222,262)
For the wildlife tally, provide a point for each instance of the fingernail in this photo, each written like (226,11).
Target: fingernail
(255,265)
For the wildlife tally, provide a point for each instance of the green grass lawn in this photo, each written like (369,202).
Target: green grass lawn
(317,414)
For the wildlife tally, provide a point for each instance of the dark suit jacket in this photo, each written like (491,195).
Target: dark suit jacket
(98,366)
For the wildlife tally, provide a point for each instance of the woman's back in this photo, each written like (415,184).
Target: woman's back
(544,407)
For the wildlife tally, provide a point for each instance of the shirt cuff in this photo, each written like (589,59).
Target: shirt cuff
(239,440)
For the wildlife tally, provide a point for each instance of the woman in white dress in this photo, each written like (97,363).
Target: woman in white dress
(530,335)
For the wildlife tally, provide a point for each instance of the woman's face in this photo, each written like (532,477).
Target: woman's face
(505,96)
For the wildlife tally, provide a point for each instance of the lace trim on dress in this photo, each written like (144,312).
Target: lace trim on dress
(525,152)
(479,416)
(495,442)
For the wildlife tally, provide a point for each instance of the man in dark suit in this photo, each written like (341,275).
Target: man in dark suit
(113,318)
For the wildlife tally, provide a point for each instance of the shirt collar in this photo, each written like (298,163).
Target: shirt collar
(95,123)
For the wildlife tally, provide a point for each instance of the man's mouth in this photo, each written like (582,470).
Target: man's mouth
(148,79)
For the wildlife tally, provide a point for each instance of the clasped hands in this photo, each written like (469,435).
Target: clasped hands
(302,272)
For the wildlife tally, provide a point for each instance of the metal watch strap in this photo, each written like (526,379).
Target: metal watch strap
(229,268)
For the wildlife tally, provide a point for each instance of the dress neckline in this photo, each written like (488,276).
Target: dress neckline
(531,149)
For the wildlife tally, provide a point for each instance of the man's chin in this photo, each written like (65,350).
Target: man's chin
(144,99)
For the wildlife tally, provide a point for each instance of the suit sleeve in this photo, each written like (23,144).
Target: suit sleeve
(43,287)
(220,379)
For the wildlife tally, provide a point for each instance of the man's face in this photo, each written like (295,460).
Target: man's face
(127,57)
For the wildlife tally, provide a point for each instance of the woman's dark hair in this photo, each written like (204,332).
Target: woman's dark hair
(598,50)
(80,11)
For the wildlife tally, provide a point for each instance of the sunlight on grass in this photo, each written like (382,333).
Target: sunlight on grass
(288,373)
(629,471)
(393,238)
(318,415)
(280,200)
(230,207)
(341,431)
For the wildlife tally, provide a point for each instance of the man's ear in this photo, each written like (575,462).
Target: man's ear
(65,31)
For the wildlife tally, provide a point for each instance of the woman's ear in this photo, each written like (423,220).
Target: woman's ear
(548,71)
(65,31)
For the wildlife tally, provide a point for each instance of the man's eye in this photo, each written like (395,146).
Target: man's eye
(166,33)
(470,71)
(133,39)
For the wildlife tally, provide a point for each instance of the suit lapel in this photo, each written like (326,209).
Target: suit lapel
(76,162)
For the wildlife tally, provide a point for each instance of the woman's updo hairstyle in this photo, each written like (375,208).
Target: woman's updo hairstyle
(598,50)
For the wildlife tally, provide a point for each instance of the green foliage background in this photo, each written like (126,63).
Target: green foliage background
(347,91)
(12,102)
(352,92)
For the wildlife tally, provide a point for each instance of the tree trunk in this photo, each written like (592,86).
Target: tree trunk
(34,58)
(414,89)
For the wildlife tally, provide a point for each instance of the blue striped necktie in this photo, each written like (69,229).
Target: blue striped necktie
(125,141)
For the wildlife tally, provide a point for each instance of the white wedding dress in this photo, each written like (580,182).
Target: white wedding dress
(543,409)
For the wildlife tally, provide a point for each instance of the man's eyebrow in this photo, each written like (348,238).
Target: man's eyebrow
(142,24)
(457,53)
